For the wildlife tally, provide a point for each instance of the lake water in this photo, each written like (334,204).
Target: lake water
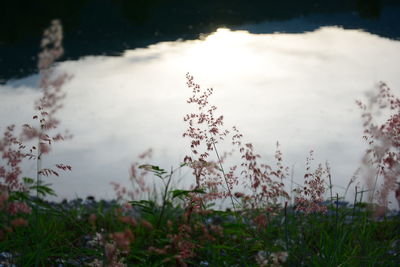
(296,88)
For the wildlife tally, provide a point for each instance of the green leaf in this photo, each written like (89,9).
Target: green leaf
(150,167)
(43,190)
(28,180)
(180,193)
(19,195)
(154,169)
(146,205)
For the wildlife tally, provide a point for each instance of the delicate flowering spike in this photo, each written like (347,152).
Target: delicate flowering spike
(64,167)
(238,194)
(382,158)
(51,45)
(137,173)
(12,146)
(205,131)
(309,198)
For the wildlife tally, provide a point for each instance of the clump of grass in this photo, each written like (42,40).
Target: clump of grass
(114,237)
(181,228)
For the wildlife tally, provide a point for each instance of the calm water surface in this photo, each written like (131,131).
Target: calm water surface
(298,89)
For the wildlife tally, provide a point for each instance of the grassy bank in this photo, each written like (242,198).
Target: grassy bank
(104,233)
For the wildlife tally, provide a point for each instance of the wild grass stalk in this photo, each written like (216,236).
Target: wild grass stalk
(330,180)
(336,223)
(286,228)
(225,178)
(355,200)
(164,202)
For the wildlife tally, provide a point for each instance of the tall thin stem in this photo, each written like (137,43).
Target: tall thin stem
(355,202)
(38,168)
(223,173)
(330,181)
(39,155)
(165,197)
(291,183)
(286,227)
(373,190)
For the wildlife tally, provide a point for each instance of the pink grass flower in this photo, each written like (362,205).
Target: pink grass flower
(137,177)
(18,222)
(310,197)
(16,207)
(123,239)
(128,220)
(261,221)
(382,159)
(147,225)
(205,130)
(92,219)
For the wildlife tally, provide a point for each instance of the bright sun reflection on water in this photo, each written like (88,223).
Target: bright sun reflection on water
(218,52)
(299,89)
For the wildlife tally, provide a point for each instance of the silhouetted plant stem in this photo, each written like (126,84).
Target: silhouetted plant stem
(355,202)
(336,223)
(38,163)
(373,189)
(362,193)
(286,228)
(226,180)
(164,198)
(337,208)
(330,181)
(291,184)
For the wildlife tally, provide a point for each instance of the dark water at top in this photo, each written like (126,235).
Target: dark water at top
(108,27)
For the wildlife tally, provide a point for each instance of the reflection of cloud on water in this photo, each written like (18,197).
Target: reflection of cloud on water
(29,81)
(296,88)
